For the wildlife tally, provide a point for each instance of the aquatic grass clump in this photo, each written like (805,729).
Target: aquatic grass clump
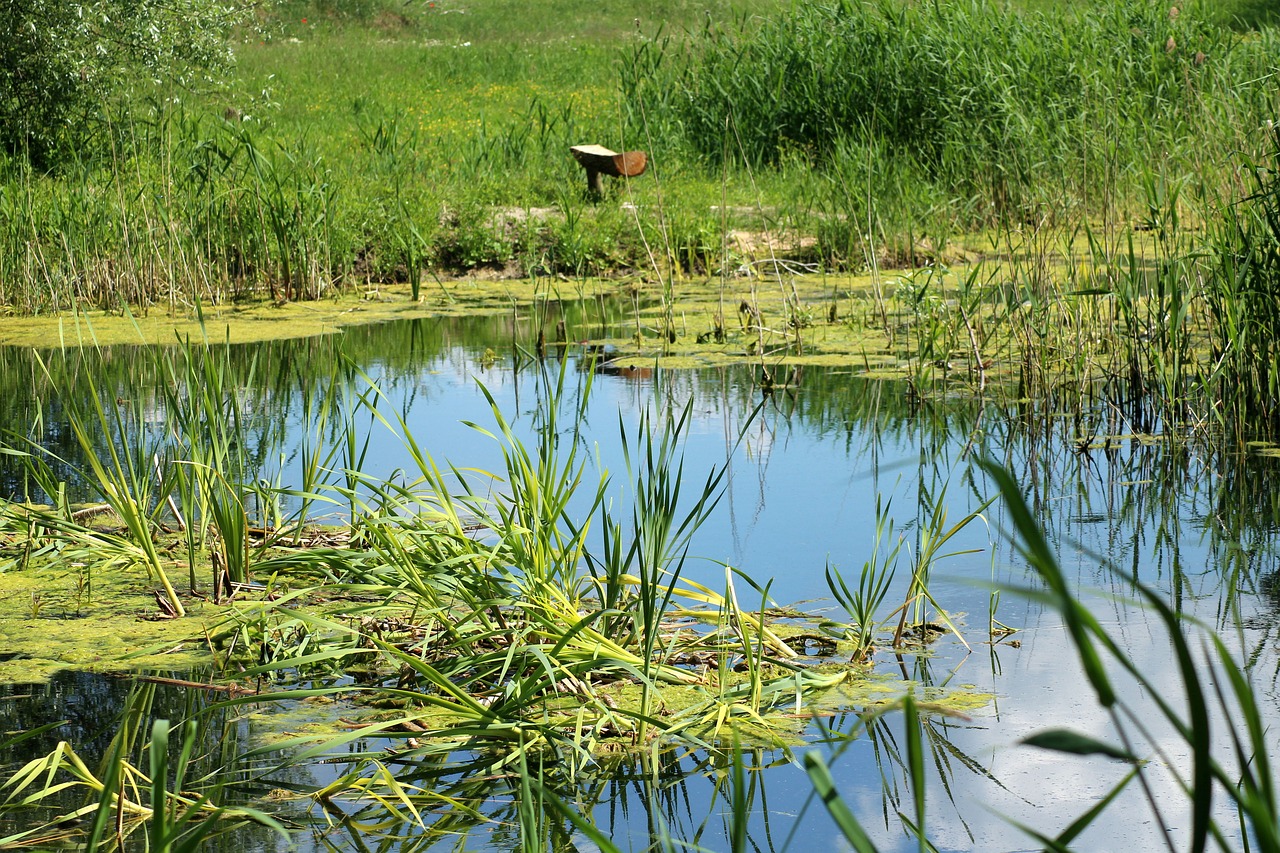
(172,451)
(247,211)
(863,604)
(166,780)
(479,606)
(206,419)
(120,456)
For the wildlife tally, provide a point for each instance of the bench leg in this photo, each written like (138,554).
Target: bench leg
(595,184)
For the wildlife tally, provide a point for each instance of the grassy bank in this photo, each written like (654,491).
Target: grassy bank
(376,143)
(1092,187)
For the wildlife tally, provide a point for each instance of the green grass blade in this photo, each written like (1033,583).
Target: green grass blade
(824,784)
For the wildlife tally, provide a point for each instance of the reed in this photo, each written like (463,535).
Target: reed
(206,413)
(936,86)
(477,601)
(1242,293)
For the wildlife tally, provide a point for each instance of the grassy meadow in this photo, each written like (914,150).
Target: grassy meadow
(385,142)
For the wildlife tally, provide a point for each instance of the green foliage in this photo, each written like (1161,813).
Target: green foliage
(977,100)
(66,68)
(1244,292)
(145,785)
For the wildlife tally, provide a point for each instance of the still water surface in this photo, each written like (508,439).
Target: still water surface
(1196,520)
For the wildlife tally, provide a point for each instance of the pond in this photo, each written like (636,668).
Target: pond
(1123,501)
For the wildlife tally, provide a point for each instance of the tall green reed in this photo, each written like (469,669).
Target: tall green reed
(980,102)
(174,443)
(932,536)
(637,579)
(207,420)
(1243,293)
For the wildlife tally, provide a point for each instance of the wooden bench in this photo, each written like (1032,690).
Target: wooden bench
(598,160)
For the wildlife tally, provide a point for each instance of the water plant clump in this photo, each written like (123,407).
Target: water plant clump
(498,601)
(476,598)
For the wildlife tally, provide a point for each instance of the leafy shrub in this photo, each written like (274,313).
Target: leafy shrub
(65,66)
